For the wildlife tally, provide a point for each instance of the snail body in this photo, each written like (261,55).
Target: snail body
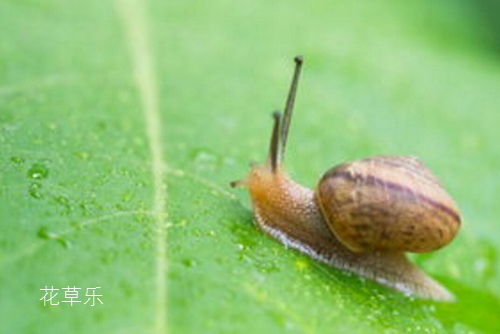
(361,217)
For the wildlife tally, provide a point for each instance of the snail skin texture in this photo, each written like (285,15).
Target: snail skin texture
(363,215)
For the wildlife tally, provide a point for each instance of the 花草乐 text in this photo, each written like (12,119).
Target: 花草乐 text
(54,296)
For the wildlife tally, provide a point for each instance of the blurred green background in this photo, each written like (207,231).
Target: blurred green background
(83,201)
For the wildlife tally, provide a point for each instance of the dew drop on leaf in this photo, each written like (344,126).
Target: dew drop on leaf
(83,155)
(301,265)
(127,196)
(64,242)
(38,171)
(35,190)
(485,263)
(46,234)
(205,160)
(64,202)
(189,263)
(17,160)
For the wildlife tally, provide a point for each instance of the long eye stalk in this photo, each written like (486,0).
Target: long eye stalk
(290,102)
(275,142)
(282,125)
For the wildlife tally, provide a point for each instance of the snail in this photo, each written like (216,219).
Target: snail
(363,215)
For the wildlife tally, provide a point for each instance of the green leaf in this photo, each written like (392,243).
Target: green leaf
(122,123)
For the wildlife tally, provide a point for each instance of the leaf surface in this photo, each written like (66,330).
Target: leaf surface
(122,123)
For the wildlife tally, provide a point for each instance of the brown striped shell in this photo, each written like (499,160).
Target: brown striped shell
(387,203)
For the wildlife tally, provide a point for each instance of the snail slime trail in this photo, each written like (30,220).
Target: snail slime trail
(362,216)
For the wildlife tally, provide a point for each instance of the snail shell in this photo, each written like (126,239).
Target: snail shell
(388,204)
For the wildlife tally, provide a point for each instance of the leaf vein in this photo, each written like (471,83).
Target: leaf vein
(136,30)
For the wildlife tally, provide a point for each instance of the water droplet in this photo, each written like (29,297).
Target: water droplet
(38,171)
(245,236)
(127,196)
(301,265)
(64,242)
(485,263)
(228,161)
(64,202)
(182,223)
(189,263)
(124,172)
(82,155)
(17,160)
(87,207)
(76,225)
(35,190)
(205,160)
(44,233)
(196,232)
(268,268)
(143,219)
